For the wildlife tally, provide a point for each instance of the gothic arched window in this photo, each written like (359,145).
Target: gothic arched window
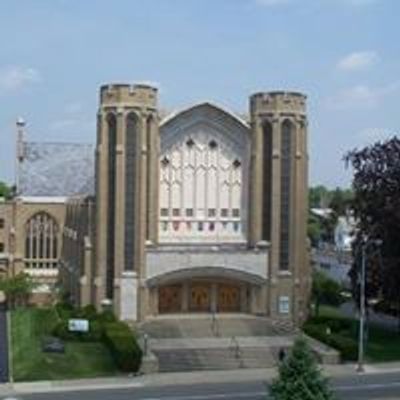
(41,242)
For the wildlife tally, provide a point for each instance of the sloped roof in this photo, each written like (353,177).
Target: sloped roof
(56,169)
(205,105)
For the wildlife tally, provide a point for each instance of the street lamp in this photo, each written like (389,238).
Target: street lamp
(364,247)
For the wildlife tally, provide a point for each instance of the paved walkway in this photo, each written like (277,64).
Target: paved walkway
(3,346)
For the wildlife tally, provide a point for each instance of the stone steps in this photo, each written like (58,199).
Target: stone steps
(201,342)
(179,360)
(220,327)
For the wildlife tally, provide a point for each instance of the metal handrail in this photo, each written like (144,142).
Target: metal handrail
(214,325)
(235,347)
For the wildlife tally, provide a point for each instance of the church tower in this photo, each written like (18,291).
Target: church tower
(278,197)
(126,193)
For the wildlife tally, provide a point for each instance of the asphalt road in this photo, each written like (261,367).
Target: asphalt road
(371,387)
(3,345)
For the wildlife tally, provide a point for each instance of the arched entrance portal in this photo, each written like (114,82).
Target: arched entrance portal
(204,296)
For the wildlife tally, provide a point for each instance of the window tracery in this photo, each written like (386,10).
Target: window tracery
(41,242)
(202,195)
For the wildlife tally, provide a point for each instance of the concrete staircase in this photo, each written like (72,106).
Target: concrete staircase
(213,359)
(224,342)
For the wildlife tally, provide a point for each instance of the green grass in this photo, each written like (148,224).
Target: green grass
(382,345)
(80,360)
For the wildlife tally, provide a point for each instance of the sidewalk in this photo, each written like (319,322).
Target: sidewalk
(186,378)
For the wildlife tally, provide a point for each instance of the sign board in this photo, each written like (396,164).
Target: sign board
(78,325)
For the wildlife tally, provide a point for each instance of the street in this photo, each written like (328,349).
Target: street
(373,387)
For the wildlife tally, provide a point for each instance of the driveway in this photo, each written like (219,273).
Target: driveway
(3,345)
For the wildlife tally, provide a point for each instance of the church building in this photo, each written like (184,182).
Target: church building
(200,211)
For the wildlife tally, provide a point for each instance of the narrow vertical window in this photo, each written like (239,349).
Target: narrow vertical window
(149,180)
(286,182)
(130,189)
(267,181)
(112,142)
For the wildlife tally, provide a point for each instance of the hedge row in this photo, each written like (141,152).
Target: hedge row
(347,347)
(123,346)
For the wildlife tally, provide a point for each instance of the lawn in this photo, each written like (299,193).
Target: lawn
(80,360)
(382,345)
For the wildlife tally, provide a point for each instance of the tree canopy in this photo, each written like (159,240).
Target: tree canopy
(6,191)
(376,206)
(338,200)
(325,291)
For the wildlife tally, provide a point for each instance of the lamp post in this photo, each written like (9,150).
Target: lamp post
(364,247)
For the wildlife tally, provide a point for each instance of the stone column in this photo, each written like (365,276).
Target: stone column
(101,210)
(255,203)
(119,230)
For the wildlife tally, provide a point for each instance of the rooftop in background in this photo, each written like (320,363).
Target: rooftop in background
(56,169)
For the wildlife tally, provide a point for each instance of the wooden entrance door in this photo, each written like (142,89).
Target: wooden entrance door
(228,298)
(170,299)
(200,297)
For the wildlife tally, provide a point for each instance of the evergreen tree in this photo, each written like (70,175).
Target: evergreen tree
(300,377)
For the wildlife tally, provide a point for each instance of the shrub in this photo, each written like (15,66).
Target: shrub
(123,346)
(88,312)
(64,310)
(106,317)
(347,347)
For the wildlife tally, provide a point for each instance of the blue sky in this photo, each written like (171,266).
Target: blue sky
(344,54)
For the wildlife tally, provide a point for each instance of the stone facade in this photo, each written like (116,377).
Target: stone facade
(200,211)
(32,241)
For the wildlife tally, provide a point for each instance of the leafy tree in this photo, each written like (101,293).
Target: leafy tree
(318,196)
(299,377)
(338,200)
(17,288)
(314,229)
(376,207)
(325,291)
(6,191)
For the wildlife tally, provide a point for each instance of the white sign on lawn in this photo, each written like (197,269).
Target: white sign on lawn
(78,325)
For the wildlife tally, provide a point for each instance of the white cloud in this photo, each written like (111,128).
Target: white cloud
(358,61)
(362,96)
(272,3)
(16,77)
